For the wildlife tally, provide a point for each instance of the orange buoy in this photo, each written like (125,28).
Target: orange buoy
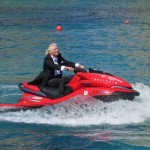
(59,28)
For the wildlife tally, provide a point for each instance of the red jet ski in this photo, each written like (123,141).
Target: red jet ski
(100,85)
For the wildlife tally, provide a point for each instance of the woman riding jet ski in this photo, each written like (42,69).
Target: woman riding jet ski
(97,84)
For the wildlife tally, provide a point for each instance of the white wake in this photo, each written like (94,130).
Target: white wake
(85,111)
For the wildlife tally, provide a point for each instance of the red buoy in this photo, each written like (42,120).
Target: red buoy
(126,21)
(59,28)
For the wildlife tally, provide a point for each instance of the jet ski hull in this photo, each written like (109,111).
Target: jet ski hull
(97,84)
(28,100)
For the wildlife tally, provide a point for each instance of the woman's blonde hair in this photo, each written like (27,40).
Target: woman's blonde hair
(50,48)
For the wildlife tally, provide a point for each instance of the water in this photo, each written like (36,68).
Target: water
(94,34)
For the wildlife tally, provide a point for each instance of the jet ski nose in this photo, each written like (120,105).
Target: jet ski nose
(136,93)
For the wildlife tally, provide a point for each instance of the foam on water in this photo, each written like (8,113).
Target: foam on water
(84,111)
